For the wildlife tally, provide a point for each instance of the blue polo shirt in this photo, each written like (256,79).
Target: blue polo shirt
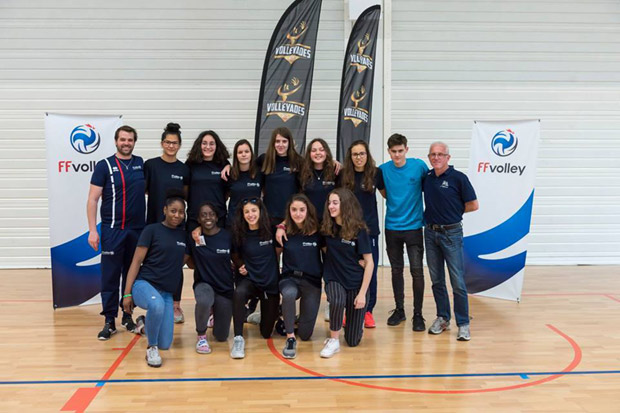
(445,196)
(122,200)
(404,194)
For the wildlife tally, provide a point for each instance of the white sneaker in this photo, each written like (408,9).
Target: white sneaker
(326,312)
(332,346)
(153,358)
(254,318)
(238,349)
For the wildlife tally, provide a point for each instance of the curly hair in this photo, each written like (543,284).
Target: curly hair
(295,160)
(329,173)
(348,172)
(241,227)
(311,223)
(221,153)
(350,213)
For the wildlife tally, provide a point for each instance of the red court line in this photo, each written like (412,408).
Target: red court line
(612,297)
(571,366)
(83,396)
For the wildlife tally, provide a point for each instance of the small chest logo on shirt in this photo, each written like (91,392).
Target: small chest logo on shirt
(107,252)
(215,173)
(180,244)
(180,178)
(253,185)
(329,183)
(286,169)
(222,251)
(346,241)
(363,187)
(137,167)
(264,243)
(444,184)
(308,244)
(114,169)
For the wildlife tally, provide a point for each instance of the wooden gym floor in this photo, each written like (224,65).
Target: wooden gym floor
(556,351)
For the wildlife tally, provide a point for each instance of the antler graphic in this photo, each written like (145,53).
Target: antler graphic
(358,96)
(285,91)
(296,33)
(363,43)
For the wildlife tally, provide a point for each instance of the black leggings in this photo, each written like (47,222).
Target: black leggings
(207,298)
(268,307)
(339,300)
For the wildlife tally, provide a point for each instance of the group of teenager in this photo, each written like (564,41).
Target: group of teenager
(272,230)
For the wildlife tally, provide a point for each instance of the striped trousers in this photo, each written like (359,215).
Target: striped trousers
(339,301)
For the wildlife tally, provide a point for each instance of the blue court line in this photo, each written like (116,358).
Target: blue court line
(99,383)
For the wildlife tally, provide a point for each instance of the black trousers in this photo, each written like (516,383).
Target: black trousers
(340,300)
(414,241)
(291,289)
(269,303)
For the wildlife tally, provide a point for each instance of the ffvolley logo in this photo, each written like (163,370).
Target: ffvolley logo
(504,143)
(85,139)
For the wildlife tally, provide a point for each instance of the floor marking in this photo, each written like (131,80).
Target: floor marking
(571,366)
(83,396)
(612,297)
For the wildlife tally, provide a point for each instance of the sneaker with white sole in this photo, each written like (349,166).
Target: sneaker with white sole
(238,348)
(108,330)
(128,323)
(439,326)
(153,358)
(202,345)
(332,346)
(179,317)
(254,318)
(290,348)
(140,322)
(463,334)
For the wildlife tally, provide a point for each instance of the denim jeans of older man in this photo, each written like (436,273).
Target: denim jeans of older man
(446,246)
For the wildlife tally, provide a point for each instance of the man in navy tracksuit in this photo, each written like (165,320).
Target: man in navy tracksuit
(119,182)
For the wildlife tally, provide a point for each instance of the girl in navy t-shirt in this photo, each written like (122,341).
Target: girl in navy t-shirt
(318,174)
(213,278)
(254,254)
(301,271)
(361,175)
(347,268)
(155,272)
(245,179)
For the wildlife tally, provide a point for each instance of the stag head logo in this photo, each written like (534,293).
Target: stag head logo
(289,88)
(363,43)
(358,96)
(296,33)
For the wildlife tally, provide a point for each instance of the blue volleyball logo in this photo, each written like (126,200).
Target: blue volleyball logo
(504,143)
(85,139)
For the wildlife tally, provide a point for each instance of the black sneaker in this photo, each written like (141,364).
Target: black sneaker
(106,333)
(397,316)
(290,349)
(418,322)
(140,323)
(128,323)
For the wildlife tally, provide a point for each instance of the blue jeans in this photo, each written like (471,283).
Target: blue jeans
(447,246)
(159,324)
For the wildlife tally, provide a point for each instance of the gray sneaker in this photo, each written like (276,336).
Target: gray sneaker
(463,334)
(290,348)
(238,349)
(439,326)
(153,358)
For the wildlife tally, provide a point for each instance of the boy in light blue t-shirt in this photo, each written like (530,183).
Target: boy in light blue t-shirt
(404,220)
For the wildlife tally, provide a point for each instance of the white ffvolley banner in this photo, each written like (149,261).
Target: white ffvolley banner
(74,145)
(502,169)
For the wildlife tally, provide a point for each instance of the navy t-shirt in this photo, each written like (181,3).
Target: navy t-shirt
(243,187)
(278,186)
(317,191)
(212,262)
(161,176)
(342,260)
(122,200)
(368,200)
(445,196)
(303,253)
(206,185)
(163,264)
(259,257)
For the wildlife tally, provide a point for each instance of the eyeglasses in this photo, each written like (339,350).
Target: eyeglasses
(437,155)
(358,154)
(250,200)
(170,143)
